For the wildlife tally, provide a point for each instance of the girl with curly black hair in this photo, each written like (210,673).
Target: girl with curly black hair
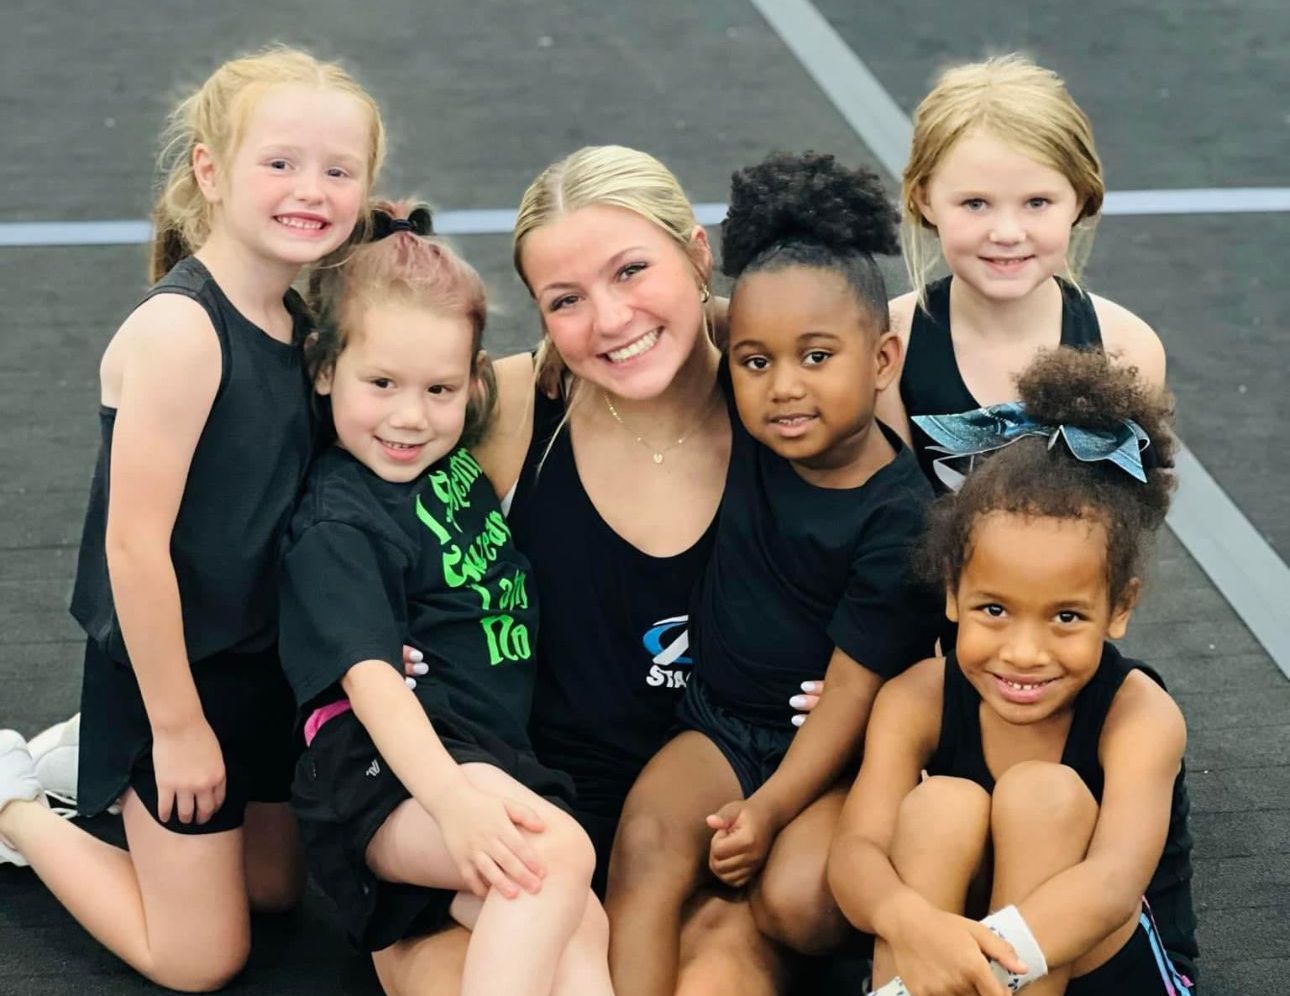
(1055,795)
(810,573)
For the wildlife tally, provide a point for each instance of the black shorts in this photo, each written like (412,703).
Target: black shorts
(344,791)
(246,701)
(1141,968)
(753,751)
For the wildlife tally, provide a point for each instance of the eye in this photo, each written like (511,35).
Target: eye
(1068,616)
(630,270)
(277,164)
(815,357)
(337,172)
(1037,203)
(994,610)
(754,363)
(381,383)
(561,302)
(438,389)
(974,203)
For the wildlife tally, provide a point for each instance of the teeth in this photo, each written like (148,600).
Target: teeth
(1023,687)
(400,446)
(301,223)
(634,348)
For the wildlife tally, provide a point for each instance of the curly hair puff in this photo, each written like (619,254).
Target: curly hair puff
(1084,388)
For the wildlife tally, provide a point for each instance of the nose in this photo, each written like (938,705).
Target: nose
(1006,228)
(1024,647)
(410,412)
(786,382)
(308,187)
(611,312)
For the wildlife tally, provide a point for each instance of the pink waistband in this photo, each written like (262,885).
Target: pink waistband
(322,715)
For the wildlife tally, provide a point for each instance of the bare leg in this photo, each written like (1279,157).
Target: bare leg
(517,943)
(1043,819)
(274,858)
(174,907)
(659,858)
(722,951)
(424,966)
(938,847)
(791,900)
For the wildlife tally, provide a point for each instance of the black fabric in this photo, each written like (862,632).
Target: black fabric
(344,791)
(245,474)
(612,651)
(1131,971)
(752,750)
(798,570)
(931,383)
(246,701)
(369,565)
(959,753)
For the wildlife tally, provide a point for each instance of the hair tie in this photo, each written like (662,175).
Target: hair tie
(419,222)
(984,430)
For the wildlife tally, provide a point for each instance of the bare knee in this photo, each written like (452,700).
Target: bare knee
(646,851)
(722,951)
(944,807)
(276,890)
(1038,794)
(566,850)
(212,971)
(794,906)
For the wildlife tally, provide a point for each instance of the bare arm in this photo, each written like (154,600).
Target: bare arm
(890,408)
(167,358)
(1131,341)
(1141,751)
(501,452)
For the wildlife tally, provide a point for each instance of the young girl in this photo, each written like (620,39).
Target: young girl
(1004,180)
(1055,794)
(186,717)
(416,806)
(810,569)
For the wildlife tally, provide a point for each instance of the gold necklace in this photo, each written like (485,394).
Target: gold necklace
(655,452)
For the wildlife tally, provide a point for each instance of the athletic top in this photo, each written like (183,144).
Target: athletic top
(931,383)
(959,753)
(613,649)
(369,565)
(799,569)
(242,483)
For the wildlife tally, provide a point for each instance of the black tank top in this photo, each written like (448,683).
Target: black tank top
(959,754)
(242,483)
(613,645)
(931,383)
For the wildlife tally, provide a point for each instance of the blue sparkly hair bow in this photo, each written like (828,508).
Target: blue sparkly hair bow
(984,430)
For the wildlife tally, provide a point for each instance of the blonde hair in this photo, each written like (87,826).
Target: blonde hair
(215,115)
(1022,104)
(611,175)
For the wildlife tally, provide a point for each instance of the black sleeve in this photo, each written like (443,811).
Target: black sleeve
(342,601)
(886,620)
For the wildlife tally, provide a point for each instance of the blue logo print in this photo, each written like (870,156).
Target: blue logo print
(677,651)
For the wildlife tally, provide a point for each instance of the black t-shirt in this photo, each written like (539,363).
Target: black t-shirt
(242,483)
(798,570)
(369,565)
(613,652)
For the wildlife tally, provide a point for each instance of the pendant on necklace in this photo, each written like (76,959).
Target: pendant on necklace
(658,457)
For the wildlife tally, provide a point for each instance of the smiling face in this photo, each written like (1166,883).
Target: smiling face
(807,363)
(1003,219)
(1033,610)
(291,190)
(399,388)
(618,296)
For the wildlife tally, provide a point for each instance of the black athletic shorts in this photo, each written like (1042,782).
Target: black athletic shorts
(1141,968)
(344,791)
(753,751)
(246,701)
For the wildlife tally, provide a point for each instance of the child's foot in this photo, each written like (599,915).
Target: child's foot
(54,752)
(18,782)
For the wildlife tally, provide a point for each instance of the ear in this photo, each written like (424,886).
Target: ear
(887,357)
(322,382)
(206,172)
(924,205)
(700,252)
(951,604)
(1120,613)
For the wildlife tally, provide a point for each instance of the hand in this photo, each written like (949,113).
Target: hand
(744,833)
(808,700)
(189,766)
(482,834)
(413,664)
(946,955)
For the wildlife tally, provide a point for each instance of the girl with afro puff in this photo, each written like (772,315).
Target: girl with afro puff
(811,570)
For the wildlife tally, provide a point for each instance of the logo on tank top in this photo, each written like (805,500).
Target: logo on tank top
(668,643)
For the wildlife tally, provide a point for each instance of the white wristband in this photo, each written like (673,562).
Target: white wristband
(1008,924)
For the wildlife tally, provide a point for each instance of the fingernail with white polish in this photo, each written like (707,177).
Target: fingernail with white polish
(798,701)
(420,668)
(416,655)
(798,720)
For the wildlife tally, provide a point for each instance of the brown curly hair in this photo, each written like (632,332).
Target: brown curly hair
(1033,479)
